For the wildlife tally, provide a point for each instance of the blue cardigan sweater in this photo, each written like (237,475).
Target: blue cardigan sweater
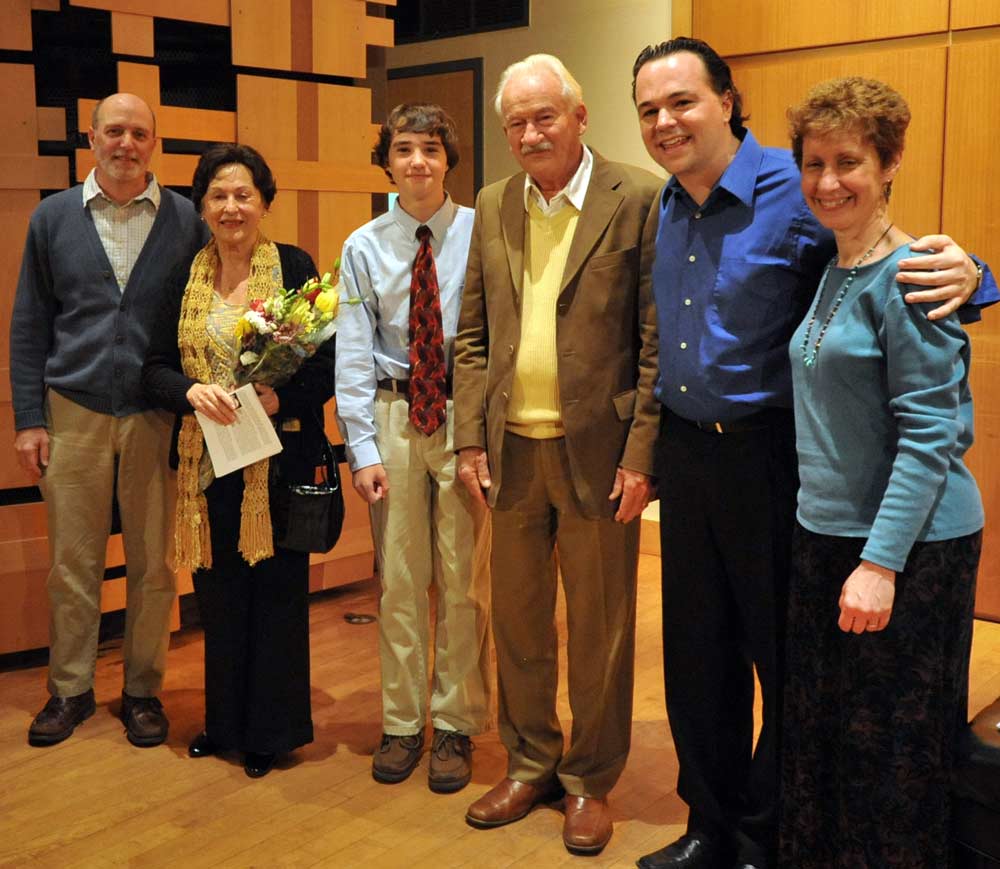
(883,418)
(72,330)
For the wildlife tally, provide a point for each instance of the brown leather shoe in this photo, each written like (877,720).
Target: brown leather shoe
(145,723)
(510,801)
(451,762)
(396,757)
(587,828)
(59,718)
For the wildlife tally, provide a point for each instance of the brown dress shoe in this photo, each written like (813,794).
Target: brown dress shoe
(59,718)
(510,801)
(587,828)
(145,723)
(397,757)
(451,762)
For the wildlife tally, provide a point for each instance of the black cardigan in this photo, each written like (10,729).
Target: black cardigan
(302,398)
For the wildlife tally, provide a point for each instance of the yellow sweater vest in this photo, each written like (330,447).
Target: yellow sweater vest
(534,410)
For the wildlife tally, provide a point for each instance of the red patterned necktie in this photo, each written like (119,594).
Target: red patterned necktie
(428,375)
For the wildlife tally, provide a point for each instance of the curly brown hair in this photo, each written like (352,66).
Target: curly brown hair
(868,108)
(427,118)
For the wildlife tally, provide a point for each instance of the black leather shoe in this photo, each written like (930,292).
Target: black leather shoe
(202,746)
(691,851)
(748,866)
(145,723)
(60,717)
(258,765)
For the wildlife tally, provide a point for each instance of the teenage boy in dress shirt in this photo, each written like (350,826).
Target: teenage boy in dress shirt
(427,528)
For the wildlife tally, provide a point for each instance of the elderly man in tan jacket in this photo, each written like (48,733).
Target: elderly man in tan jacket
(555,366)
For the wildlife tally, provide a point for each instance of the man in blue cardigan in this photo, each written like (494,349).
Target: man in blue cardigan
(94,262)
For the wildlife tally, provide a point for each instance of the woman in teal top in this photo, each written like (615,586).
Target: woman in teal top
(889,519)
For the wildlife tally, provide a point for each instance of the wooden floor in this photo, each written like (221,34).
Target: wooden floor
(96,801)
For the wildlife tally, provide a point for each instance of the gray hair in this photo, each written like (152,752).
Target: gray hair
(571,89)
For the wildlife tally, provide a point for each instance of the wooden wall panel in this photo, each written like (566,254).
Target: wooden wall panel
(16,31)
(131,34)
(770,84)
(970,214)
(327,37)
(757,26)
(974,13)
(203,11)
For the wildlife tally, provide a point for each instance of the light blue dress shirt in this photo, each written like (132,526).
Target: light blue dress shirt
(373,336)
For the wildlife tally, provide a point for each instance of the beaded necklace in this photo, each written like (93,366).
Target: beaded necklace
(807,359)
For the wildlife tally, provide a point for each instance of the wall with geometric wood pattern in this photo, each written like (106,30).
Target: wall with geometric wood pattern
(944,57)
(293,78)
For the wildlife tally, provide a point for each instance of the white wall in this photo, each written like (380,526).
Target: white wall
(598,41)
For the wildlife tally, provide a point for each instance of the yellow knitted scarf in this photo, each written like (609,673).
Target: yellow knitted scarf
(192,539)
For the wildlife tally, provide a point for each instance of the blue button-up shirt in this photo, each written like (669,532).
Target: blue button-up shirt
(732,280)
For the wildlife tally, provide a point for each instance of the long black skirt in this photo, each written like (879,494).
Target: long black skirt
(256,623)
(870,720)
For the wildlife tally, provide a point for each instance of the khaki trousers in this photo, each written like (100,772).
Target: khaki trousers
(536,519)
(77,486)
(428,531)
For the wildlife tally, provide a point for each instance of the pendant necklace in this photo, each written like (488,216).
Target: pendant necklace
(810,359)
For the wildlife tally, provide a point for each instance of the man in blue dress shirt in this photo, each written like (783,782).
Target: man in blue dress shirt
(738,259)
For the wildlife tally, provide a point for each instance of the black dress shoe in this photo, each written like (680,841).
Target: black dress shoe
(691,851)
(59,718)
(202,746)
(145,723)
(258,765)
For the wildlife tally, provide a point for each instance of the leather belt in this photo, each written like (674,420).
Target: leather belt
(753,422)
(402,387)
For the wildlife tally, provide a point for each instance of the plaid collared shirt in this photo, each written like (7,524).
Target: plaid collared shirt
(123,229)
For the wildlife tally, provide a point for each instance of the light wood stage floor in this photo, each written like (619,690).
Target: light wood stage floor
(96,801)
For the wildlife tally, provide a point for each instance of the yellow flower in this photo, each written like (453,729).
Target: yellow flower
(328,302)
(242,327)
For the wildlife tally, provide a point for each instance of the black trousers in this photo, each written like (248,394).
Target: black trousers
(727,512)
(256,622)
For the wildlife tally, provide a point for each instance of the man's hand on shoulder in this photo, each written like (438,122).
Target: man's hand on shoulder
(948,274)
(474,471)
(635,491)
(371,483)
(32,446)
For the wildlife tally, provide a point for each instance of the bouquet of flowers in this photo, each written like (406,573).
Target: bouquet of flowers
(276,335)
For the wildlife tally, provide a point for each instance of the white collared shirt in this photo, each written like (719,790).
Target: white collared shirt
(373,340)
(573,193)
(123,229)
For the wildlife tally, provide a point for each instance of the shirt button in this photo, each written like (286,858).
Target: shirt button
(119,339)
(684,389)
(106,274)
(697,215)
(687,302)
(691,258)
(684,345)
(510,349)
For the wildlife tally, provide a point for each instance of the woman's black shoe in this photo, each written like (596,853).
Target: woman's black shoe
(202,746)
(258,765)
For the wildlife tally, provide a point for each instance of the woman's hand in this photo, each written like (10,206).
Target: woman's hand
(213,401)
(268,398)
(866,599)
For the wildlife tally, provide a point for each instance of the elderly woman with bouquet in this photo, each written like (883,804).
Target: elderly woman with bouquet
(227,321)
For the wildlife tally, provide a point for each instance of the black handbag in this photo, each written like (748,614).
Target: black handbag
(309,518)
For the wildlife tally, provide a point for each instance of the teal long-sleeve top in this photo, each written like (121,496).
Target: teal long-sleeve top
(883,417)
